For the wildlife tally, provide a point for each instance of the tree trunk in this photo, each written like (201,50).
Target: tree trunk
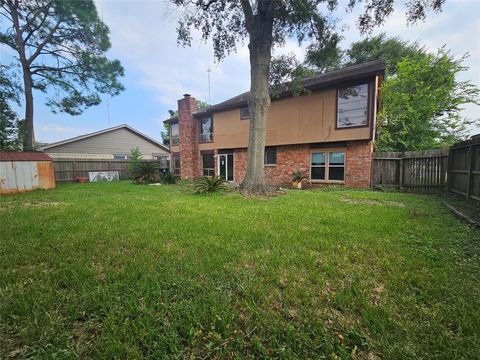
(29,137)
(260,47)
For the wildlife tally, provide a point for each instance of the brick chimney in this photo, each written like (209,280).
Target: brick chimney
(189,167)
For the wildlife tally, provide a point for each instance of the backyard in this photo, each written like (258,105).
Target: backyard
(116,270)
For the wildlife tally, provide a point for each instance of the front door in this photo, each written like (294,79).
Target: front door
(225,166)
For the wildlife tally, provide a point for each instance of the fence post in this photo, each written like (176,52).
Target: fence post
(449,168)
(74,170)
(470,172)
(400,174)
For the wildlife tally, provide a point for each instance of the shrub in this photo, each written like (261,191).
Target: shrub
(168,178)
(136,156)
(145,173)
(297,176)
(207,184)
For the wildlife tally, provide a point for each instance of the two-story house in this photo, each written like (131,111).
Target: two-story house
(327,133)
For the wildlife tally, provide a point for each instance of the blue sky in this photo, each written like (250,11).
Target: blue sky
(158,72)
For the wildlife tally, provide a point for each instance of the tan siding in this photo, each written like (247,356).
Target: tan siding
(297,120)
(119,141)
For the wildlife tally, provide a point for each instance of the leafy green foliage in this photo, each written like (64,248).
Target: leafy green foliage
(136,155)
(297,176)
(145,173)
(65,44)
(209,184)
(422,103)
(10,139)
(392,50)
(169,178)
(61,46)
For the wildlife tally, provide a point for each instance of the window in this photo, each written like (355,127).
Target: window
(206,130)
(163,161)
(176,164)
(174,134)
(208,164)
(352,106)
(122,157)
(270,155)
(244,113)
(327,166)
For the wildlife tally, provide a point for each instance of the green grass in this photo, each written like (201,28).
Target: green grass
(116,270)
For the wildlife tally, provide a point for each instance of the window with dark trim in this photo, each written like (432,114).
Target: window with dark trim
(327,165)
(174,134)
(244,113)
(208,163)
(270,155)
(352,106)
(206,129)
(176,164)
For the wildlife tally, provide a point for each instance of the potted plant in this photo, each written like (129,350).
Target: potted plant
(297,178)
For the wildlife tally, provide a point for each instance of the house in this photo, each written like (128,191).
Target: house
(114,143)
(327,133)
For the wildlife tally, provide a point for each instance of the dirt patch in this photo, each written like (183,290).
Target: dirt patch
(29,203)
(372,202)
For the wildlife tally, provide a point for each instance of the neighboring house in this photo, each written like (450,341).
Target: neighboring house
(327,134)
(114,143)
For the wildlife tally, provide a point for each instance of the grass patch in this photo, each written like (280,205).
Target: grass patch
(115,270)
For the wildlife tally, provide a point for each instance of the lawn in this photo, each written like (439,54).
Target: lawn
(116,270)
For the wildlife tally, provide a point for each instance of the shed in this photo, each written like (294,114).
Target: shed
(25,171)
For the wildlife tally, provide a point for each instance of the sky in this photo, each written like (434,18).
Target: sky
(158,71)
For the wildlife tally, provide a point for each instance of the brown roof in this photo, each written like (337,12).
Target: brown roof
(355,72)
(24,156)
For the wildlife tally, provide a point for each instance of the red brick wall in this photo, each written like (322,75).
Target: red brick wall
(189,155)
(358,169)
(291,158)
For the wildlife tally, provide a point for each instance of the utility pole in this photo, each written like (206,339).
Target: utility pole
(108,111)
(209,70)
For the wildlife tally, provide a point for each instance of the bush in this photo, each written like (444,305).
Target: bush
(168,178)
(145,173)
(297,176)
(207,184)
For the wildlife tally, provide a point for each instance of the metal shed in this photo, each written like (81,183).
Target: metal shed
(25,171)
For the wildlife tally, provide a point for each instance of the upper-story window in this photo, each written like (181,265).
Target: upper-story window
(244,113)
(352,106)
(206,130)
(174,134)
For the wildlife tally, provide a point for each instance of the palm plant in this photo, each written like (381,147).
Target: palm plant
(145,173)
(207,184)
(168,178)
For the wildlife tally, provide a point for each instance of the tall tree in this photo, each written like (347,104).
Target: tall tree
(422,103)
(392,50)
(9,122)
(60,45)
(267,23)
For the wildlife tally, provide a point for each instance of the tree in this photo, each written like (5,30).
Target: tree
(422,103)
(267,23)
(60,45)
(392,50)
(9,122)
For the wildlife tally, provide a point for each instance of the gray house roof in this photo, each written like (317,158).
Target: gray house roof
(86,136)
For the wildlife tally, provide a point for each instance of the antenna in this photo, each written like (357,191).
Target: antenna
(209,70)
(108,111)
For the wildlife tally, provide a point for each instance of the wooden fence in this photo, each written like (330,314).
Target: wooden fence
(414,171)
(464,168)
(69,170)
